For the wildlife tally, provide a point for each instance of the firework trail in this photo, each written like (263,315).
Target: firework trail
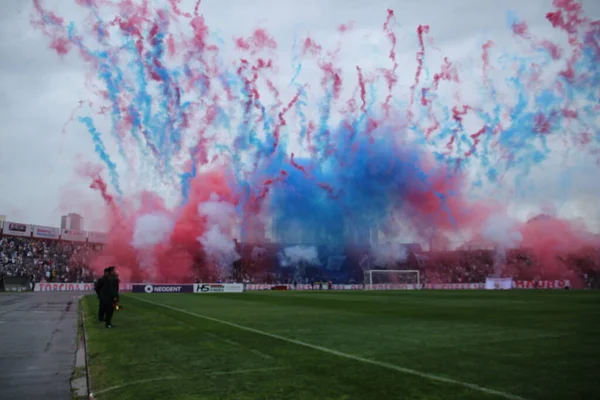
(231,140)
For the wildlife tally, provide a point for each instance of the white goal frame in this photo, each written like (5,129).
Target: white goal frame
(369,281)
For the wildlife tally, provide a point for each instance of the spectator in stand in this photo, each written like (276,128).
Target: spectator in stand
(42,259)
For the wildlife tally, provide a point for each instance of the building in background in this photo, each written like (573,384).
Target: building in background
(72,221)
(2,218)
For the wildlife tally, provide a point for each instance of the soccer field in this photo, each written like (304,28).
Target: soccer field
(349,345)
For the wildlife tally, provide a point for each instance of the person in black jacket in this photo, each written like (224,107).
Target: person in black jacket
(97,287)
(109,295)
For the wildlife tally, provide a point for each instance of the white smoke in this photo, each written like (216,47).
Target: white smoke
(292,256)
(389,253)
(147,261)
(502,232)
(216,240)
(150,230)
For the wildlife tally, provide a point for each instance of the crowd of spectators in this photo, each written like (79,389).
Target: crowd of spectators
(473,266)
(45,260)
(461,266)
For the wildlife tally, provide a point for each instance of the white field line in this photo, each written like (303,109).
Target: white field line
(246,371)
(251,350)
(237,344)
(260,354)
(404,370)
(214,373)
(141,381)
(110,389)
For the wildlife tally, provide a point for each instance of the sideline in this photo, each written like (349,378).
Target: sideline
(80,378)
(110,389)
(403,370)
(88,375)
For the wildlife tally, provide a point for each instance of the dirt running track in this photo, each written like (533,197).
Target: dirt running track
(38,340)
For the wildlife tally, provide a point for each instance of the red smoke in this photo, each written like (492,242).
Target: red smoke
(557,246)
(176,258)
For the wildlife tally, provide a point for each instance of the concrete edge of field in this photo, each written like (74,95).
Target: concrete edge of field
(80,384)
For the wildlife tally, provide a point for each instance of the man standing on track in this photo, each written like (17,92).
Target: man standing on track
(109,295)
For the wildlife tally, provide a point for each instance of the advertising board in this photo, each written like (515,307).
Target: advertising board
(63,287)
(159,288)
(97,237)
(74,287)
(45,232)
(387,286)
(498,283)
(455,286)
(218,288)
(557,284)
(16,229)
(394,286)
(73,235)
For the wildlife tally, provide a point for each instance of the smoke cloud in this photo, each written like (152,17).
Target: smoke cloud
(217,243)
(293,256)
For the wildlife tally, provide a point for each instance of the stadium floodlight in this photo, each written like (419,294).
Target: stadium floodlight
(391,278)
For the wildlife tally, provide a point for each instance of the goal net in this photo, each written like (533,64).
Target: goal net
(387,279)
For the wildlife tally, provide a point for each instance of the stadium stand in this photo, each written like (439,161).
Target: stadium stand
(44,254)
(45,259)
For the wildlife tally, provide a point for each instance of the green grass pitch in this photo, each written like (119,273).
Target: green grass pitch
(349,345)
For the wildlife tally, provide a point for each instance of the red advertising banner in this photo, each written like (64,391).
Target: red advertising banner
(258,286)
(348,287)
(267,286)
(394,286)
(557,284)
(324,286)
(75,287)
(64,287)
(455,286)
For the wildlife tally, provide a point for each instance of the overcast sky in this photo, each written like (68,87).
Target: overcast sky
(39,91)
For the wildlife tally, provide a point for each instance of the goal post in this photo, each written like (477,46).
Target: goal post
(391,277)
